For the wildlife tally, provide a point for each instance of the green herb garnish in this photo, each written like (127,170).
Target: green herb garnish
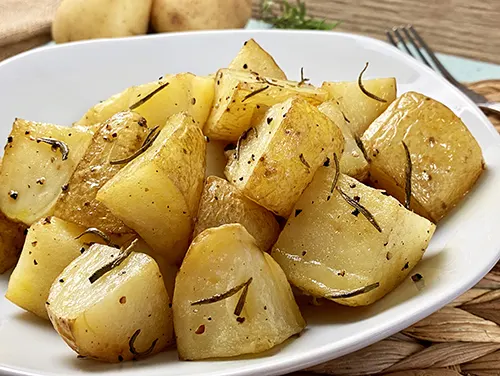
(149,96)
(292,16)
(122,256)
(131,345)
(254,93)
(56,144)
(407,176)
(366,92)
(302,79)
(341,294)
(150,138)
(361,208)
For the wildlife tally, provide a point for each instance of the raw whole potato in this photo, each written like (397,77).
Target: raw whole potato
(12,236)
(118,138)
(167,96)
(157,194)
(221,203)
(222,259)
(238,94)
(253,58)
(185,15)
(353,162)
(330,249)
(124,314)
(90,19)
(359,109)
(49,247)
(34,172)
(277,159)
(446,160)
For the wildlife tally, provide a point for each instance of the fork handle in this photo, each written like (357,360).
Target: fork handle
(490,108)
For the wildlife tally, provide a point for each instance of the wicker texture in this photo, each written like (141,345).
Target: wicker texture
(462,338)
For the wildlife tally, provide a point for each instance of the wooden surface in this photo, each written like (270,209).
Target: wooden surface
(469,28)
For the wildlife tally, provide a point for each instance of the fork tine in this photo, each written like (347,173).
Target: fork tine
(391,38)
(415,45)
(433,57)
(402,41)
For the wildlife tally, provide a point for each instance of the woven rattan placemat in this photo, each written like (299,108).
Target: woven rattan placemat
(463,338)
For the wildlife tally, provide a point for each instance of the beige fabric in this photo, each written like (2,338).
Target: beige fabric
(24,24)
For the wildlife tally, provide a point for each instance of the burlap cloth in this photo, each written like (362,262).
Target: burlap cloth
(461,339)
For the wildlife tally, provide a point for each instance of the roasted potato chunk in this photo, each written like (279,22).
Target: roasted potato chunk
(231,298)
(157,101)
(157,194)
(11,242)
(359,109)
(39,159)
(238,94)
(221,203)
(253,58)
(50,246)
(276,160)
(353,162)
(352,244)
(445,158)
(121,314)
(118,138)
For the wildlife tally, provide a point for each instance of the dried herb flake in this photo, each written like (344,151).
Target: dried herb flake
(363,89)
(361,208)
(56,144)
(342,294)
(131,345)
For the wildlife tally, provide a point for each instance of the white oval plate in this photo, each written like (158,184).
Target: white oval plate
(58,84)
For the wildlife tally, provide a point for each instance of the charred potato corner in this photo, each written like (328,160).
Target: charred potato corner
(180,213)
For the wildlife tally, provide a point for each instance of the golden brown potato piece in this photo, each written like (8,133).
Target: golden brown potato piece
(253,58)
(111,313)
(276,160)
(352,245)
(187,15)
(353,162)
(12,236)
(157,194)
(157,101)
(36,166)
(359,109)
(118,138)
(89,19)
(238,94)
(446,160)
(222,204)
(258,314)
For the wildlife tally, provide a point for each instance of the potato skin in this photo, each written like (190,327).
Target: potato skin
(328,246)
(119,137)
(90,19)
(358,108)
(221,203)
(98,319)
(446,159)
(278,160)
(253,58)
(219,259)
(11,242)
(185,15)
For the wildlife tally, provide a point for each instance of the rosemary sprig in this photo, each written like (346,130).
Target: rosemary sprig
(337,172)
(56,144)
(303,160)
(292,16)
(96,231)
(122,256)
(254,93)
(363,89)
(361,209)
(131,345)
(150,138)
(149,96)
(341,294)
(303,80)
(407,176)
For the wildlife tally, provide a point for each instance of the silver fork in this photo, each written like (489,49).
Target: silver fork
(407,36)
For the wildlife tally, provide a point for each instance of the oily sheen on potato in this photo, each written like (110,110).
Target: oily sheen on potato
(277,159)
(359,109)
(253,58)
(221,203)
(352,244)
(259,311)
(157,101)
(118,138)
(157,193)
(352,161)
(445,158)
(124,314)
(36,166)
(239,94)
